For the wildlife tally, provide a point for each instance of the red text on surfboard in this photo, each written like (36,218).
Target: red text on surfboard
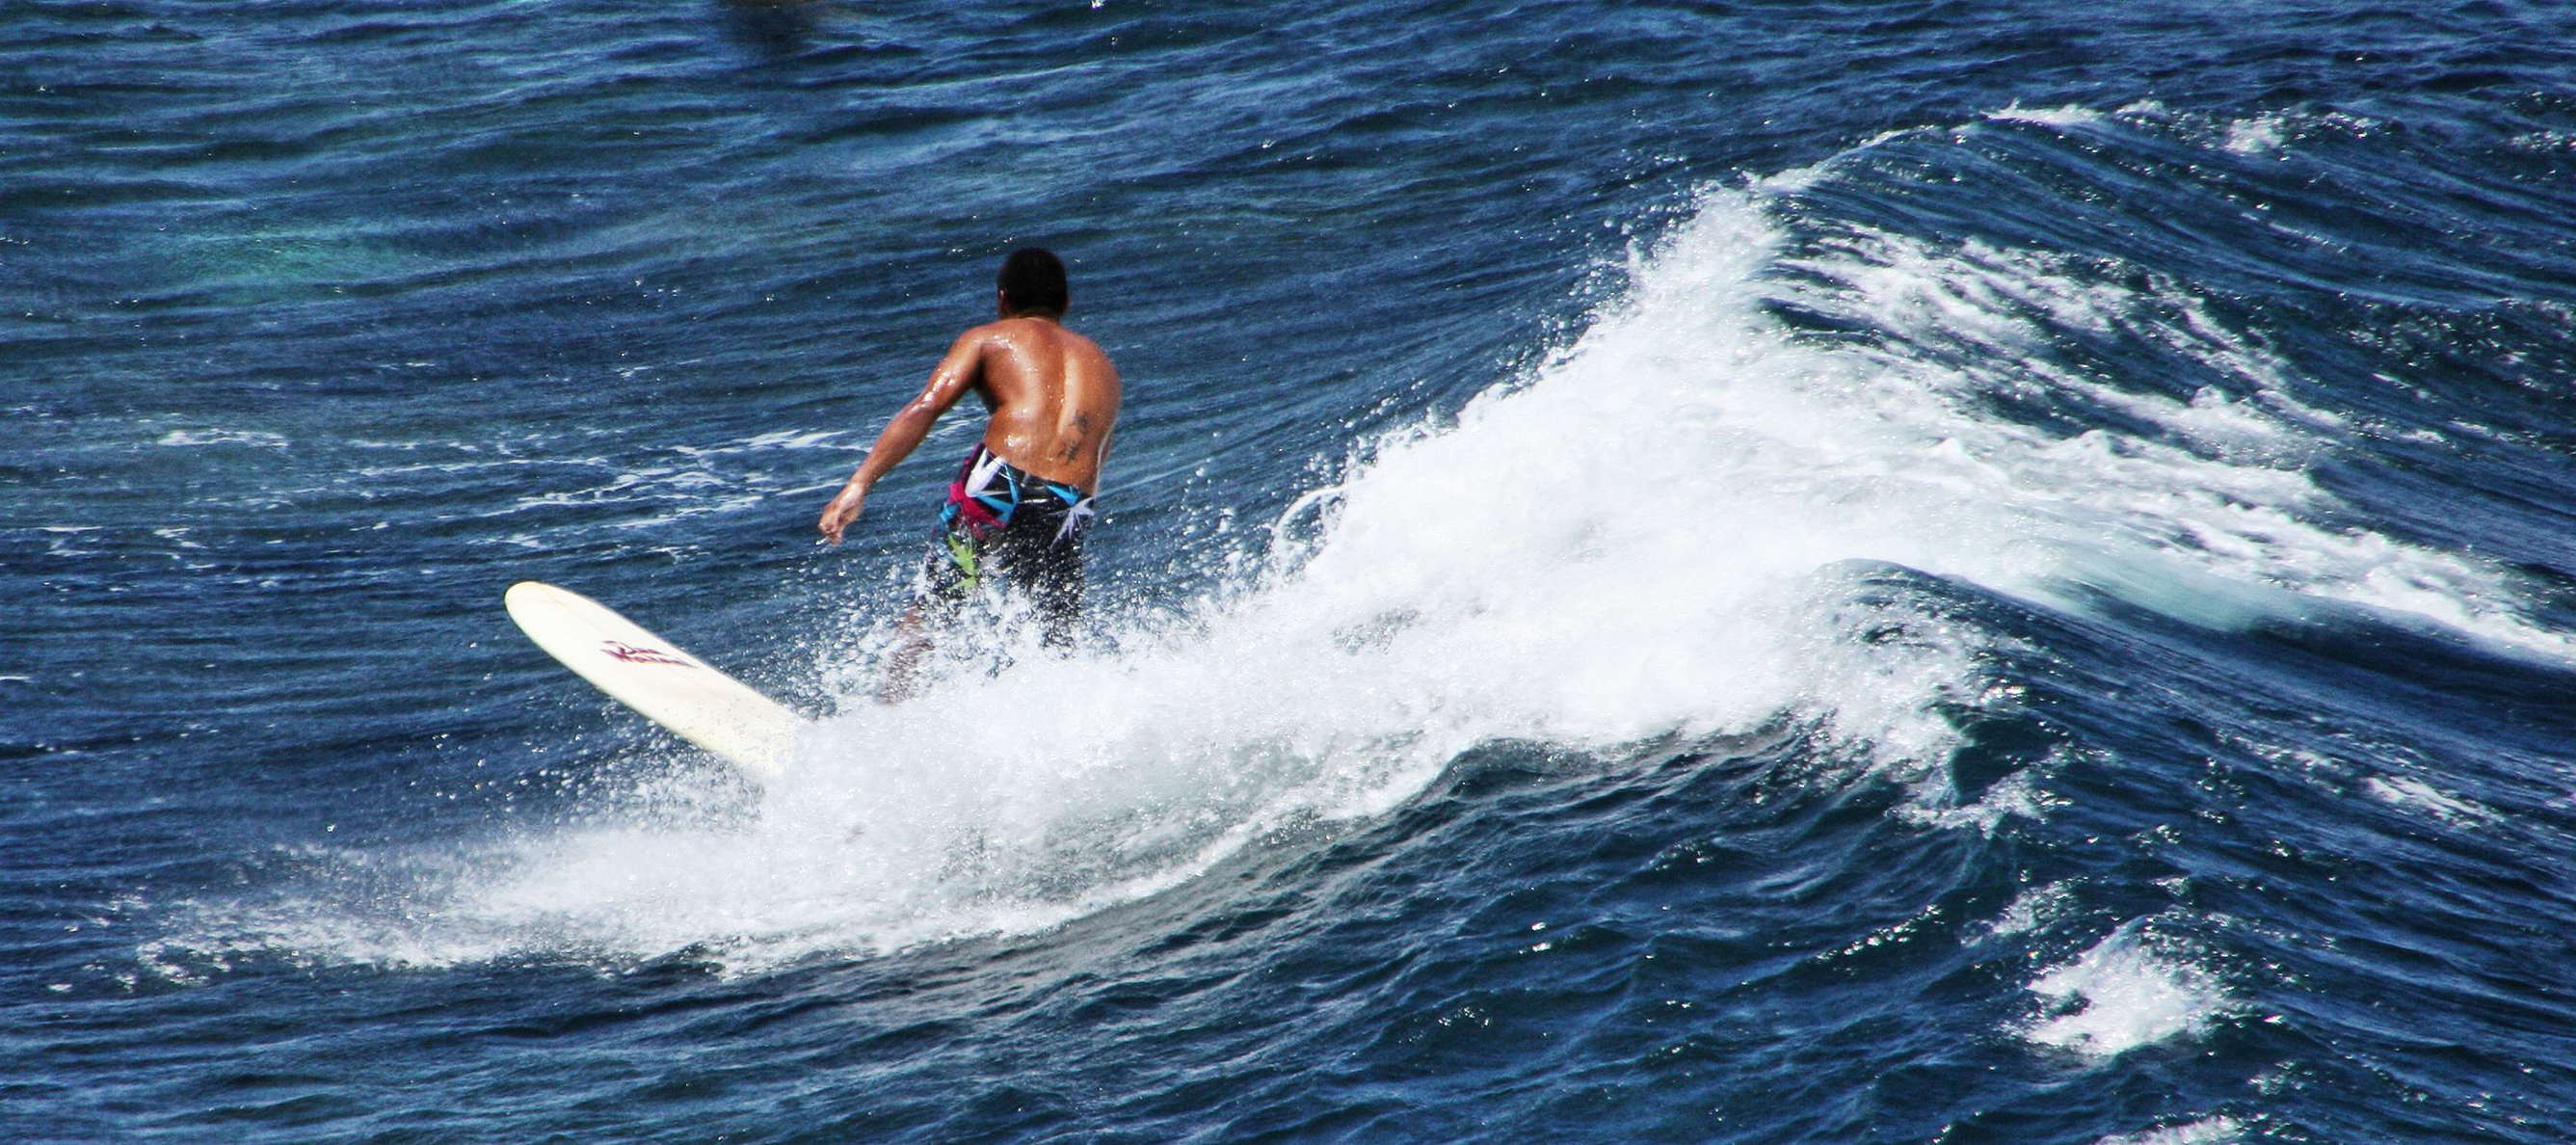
(638,654)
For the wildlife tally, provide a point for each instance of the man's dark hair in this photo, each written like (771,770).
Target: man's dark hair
(1032,282)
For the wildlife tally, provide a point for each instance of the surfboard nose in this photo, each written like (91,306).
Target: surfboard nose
(683,694)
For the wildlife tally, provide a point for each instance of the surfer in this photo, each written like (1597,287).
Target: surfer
(1022,499)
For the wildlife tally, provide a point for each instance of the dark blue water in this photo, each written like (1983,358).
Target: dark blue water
(1758,572)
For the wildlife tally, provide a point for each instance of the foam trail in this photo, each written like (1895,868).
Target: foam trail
(1654,533)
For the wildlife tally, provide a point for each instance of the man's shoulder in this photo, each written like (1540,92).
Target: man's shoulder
(1026,330)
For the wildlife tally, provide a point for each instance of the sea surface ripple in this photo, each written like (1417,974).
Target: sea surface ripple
(1800,571)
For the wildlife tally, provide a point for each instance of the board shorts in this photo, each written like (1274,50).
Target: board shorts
(1001,520)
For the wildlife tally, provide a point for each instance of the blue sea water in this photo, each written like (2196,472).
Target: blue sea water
(1773,571)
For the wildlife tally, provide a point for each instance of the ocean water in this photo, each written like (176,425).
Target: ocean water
(1799,571)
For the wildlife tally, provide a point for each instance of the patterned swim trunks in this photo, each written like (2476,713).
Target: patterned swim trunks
(1004,520)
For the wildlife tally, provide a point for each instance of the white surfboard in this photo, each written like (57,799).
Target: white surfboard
(652,676)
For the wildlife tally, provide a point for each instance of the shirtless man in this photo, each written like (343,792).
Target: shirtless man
(1020,503)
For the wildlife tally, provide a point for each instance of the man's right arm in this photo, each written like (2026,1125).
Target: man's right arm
(956,374)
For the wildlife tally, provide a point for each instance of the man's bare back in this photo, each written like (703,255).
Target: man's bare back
(1052,393)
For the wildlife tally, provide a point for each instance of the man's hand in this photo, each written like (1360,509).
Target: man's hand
(843,510)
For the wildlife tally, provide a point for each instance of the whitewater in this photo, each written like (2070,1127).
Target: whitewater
(1679,575)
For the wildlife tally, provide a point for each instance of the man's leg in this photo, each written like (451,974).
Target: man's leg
(1055,589)
(953,570)
(912,643)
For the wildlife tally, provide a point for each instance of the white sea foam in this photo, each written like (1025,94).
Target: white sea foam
(2213,518)
(2017,795)
(2124,993)
(1654,532)
(2257,135)
(2415,794)
(2032,908)
(2204,1131)
(259,439)
(2066,115)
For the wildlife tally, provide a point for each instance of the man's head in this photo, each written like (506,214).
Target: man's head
(1032,284)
